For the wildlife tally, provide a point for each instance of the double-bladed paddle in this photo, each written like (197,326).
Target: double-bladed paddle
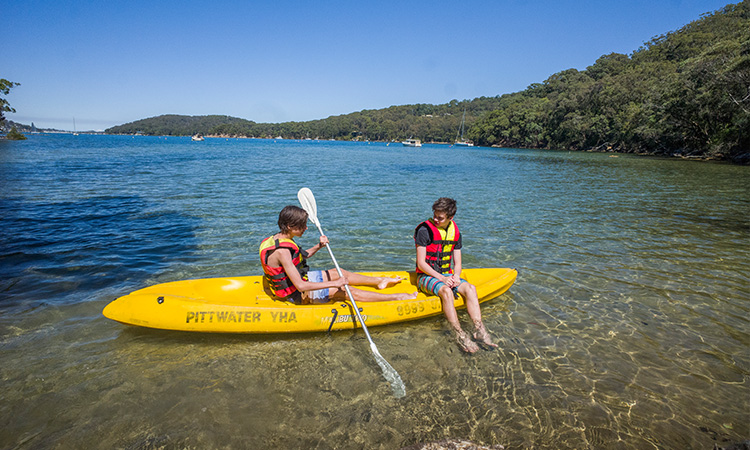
(307,200)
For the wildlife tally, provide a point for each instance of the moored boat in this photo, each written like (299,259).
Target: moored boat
(412,143)
(241,305)
(460,141)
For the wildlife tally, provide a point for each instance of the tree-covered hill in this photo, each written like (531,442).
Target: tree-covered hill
(685,93)
(176,125)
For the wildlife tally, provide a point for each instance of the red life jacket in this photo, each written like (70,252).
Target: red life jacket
(274,277)
(440,251)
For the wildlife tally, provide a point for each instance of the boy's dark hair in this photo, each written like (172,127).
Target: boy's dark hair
(446,205)
(292,217)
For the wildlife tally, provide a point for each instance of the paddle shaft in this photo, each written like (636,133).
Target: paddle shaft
(346,286)
(307,201)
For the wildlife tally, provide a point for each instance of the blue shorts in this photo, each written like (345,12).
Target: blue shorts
(320,295)
(430,285)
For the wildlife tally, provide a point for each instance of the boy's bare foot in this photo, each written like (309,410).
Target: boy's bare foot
(411,296)
(466,344)
(482,336)
(388,282)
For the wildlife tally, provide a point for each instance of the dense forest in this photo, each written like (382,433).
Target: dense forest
(431,123)
(685,93)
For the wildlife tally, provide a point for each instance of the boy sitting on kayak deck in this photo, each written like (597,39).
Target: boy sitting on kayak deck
(439,245)
(287,276)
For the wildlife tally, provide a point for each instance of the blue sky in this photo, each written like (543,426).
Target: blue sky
(108,63)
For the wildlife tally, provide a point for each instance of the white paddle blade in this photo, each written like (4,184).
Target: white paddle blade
(307,201)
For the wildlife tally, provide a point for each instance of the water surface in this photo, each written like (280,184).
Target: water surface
(626,329)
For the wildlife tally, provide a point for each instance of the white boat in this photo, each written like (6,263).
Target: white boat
(460,141)
(198,137)
(412,143)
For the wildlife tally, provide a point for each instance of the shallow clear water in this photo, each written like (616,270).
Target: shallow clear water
(627,327)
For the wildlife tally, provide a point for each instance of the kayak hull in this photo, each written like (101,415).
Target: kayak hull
(240,305)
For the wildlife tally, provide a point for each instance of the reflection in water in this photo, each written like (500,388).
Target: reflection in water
(627,327)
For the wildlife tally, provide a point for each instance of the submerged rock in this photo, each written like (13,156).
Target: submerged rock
(453,444)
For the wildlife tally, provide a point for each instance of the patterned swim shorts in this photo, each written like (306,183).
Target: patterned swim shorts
(430,285)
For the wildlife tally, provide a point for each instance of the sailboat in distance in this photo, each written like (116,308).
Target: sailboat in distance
(75,133)
(460,141)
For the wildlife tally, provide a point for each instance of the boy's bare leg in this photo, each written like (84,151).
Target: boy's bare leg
(369,296)
(481,335)
(356,279)
(449,310)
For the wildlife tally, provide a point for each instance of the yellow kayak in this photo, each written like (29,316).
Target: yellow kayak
(240,305)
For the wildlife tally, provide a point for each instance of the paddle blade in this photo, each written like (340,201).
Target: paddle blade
(307,201)
(390,374)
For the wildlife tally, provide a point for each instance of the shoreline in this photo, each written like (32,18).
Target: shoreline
(741,160)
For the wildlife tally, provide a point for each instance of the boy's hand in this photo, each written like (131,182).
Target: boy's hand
(453,280)
(341,281)
(323,240)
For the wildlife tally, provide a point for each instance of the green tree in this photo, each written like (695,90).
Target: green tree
(5,87)
(14,135)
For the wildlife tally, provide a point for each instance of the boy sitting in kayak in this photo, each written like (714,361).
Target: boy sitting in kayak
(439,245)
(287,276)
